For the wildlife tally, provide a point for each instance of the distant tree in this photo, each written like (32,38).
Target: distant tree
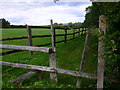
(55,24)
(5,23)
(60,24)
(77,25)
(70,24)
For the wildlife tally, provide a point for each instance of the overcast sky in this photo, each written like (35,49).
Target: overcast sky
(39,12)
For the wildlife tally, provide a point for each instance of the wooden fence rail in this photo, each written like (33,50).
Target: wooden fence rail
(30,48)
(58,70)
(50,69)
(37,36)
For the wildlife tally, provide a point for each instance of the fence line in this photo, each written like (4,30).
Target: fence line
(37,36)
(52,57)
(14,51)
(30,39)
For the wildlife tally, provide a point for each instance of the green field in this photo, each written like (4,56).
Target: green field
(68,57)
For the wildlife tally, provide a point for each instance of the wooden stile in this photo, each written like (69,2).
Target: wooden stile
(101,51)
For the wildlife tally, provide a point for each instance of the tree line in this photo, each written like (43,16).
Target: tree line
(4,22)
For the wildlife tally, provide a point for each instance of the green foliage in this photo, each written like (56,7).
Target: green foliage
(112,11)
(5,23)
(69,25)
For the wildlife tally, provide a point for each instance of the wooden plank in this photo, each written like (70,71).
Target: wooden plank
(101,51)
(52,56)
(84,55)
(29,31)
(58,70)
(23,77)
(50,69)
(31,48)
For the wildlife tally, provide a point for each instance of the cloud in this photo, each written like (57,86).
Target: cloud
(30,13)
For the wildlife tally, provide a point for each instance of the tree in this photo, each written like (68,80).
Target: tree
(5,23)
(112,11)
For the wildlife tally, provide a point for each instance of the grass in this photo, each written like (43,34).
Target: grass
(68,57)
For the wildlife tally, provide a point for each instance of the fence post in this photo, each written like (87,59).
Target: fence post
(29,31)
(53,76)
(84,55)
(79,33)
(73,33)
(101,51)
(65,35)
(54,36)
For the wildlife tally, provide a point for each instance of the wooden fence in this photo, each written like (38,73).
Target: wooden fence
(80,31)
(52,60)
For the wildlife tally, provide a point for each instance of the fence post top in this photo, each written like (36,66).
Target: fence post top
(103,18)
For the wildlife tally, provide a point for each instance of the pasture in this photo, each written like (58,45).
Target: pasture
(68,57)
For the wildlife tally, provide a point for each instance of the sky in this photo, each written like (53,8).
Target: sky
(40,12)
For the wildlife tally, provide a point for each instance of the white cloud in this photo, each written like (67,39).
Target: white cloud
(30,14)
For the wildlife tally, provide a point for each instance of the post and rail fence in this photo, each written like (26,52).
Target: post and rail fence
(99,76)
(30,36)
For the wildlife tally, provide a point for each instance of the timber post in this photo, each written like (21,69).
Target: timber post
(101,51)
(79,33)
(65,35)
(73,33)
(29,31)
(52,56)
(84,55)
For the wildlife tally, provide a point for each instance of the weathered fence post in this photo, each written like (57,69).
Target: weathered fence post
(84,55)
(29,31)
(65,35)
(101,51)
(54,37)
(53,76)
